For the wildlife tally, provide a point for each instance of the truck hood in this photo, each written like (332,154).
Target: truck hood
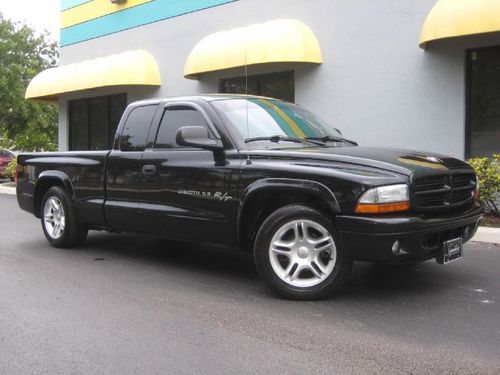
(391,159)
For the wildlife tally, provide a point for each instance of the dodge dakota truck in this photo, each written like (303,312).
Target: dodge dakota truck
(259,175)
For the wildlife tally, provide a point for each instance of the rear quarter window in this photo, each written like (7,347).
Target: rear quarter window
(136,129)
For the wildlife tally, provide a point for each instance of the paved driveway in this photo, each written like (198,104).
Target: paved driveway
(130,305)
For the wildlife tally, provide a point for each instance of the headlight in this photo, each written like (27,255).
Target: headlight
(384,199)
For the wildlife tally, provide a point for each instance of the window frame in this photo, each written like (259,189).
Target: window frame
(212,130)
(468,102)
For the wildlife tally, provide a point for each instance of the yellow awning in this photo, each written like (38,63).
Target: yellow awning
(127,68)
(454,18)
(270,42)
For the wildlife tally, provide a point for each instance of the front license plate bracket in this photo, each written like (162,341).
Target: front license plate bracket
(452,251)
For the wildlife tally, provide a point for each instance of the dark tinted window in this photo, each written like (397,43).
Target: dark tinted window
(98,121)
(275,85)
(93,122)
(173,119)
(484,102)
(78,122)
(135,133)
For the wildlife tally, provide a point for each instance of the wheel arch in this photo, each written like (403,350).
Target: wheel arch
(266,195)
(46,180)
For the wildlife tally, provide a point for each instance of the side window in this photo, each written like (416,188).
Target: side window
(173,119)
(135,132)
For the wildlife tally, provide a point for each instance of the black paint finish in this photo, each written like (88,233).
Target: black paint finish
(221,195)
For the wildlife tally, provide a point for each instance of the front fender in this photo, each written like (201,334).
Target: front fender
(286,185)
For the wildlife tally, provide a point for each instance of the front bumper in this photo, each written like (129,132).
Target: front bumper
(372,238)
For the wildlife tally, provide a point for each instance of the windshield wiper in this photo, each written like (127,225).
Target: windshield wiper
(280,138)
(332,138)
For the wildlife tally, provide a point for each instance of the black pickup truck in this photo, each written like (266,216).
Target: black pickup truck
(260,175)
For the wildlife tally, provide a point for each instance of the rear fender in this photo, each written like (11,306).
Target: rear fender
(46,180)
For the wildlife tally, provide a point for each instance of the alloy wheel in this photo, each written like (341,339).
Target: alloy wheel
(54,218)
(302,253)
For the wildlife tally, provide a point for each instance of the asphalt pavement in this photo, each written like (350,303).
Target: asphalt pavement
(126,304)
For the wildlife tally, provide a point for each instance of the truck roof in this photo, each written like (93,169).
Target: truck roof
(205,97)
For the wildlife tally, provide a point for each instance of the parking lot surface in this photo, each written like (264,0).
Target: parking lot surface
(126,304)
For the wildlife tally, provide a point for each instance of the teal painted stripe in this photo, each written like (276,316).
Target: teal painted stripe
(300,123)
(279,120)
(154,11)
(68,4)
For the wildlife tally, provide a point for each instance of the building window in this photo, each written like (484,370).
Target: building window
(93,122)
(483,102)
(275,85)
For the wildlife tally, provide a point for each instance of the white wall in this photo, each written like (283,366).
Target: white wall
(375,84)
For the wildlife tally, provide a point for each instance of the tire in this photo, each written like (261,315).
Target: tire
(299,254)
(60,222)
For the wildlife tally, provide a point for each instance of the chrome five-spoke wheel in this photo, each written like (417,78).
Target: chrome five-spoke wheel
(302,253)
(60,222)
(299,254)
(54,217)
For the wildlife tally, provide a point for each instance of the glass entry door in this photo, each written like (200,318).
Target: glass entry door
(483,102)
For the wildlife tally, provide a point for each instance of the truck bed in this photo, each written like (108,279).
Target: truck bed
(82,172)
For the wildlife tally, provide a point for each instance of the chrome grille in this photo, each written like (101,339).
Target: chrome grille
(443,191)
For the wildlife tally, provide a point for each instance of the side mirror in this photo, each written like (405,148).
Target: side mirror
(197,136)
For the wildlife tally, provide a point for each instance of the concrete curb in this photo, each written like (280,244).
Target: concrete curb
(7,190)
(483,234)
(488,235)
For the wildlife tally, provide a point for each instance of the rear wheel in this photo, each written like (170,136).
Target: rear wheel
(59,219)
(299,254)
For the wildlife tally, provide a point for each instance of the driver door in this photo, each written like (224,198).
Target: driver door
(186,193)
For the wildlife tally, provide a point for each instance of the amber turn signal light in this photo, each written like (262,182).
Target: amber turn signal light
(477,191)
(381,208)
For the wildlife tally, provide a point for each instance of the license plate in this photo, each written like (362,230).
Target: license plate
(452,250)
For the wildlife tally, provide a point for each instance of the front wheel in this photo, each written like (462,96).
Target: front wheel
(299,254)
(59,219)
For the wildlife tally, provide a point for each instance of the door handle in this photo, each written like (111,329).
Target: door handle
(149,169)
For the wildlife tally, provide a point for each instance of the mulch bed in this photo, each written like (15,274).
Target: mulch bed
(490,220)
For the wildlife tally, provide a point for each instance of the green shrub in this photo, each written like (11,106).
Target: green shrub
(488,172)
(10,170)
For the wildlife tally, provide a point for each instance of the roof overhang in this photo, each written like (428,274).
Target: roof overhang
(456,18)
(123,69)
(270,42)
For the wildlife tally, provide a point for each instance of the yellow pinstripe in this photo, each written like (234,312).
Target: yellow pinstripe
(94,9)
(298,132)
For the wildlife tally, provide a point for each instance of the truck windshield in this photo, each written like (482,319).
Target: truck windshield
(259,118)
